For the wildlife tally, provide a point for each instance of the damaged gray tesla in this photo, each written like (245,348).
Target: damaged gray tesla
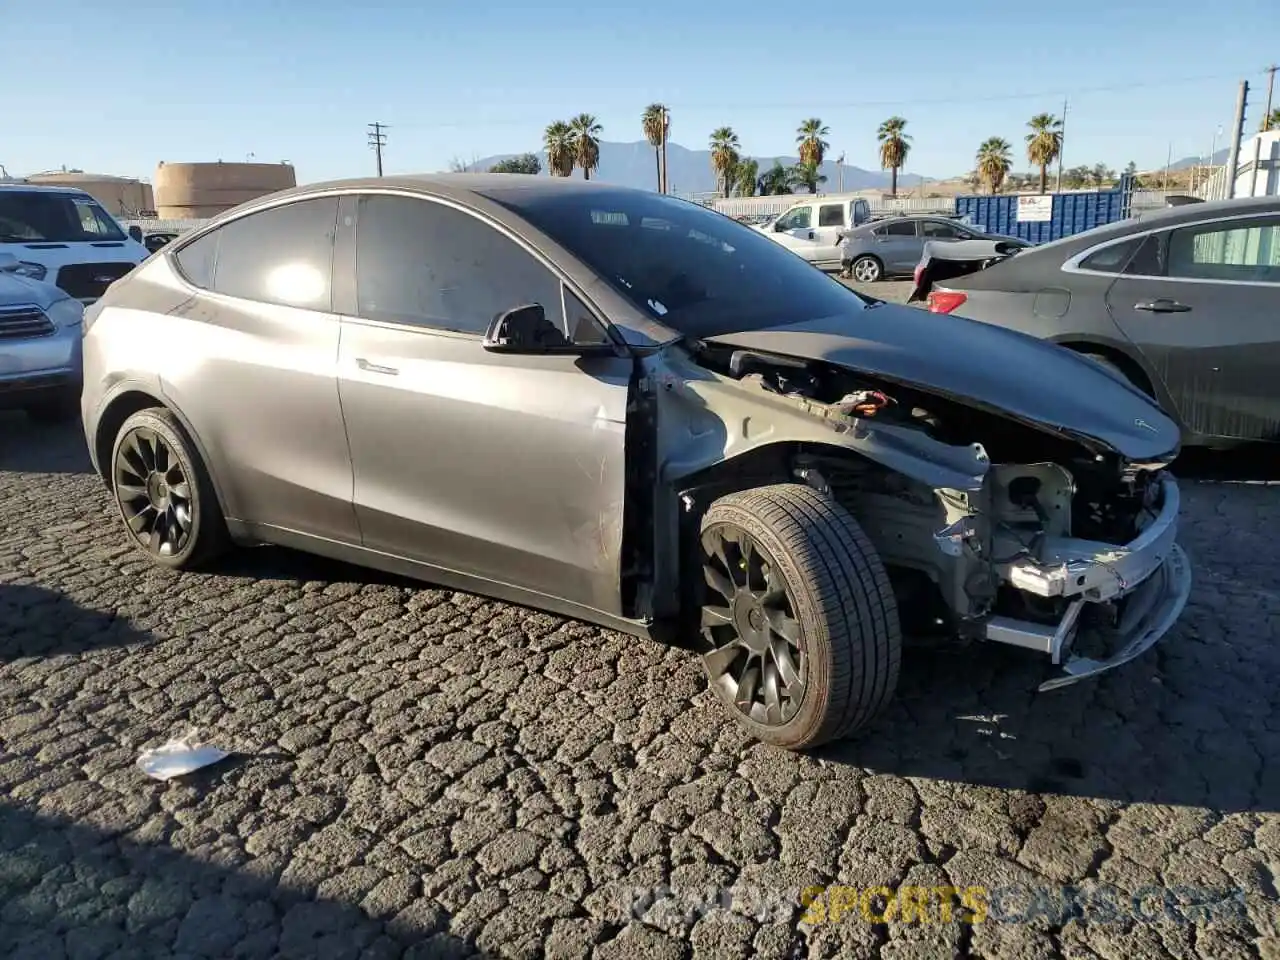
(625,408)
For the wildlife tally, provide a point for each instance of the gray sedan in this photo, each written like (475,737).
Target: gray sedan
(1184,303)
(893,246)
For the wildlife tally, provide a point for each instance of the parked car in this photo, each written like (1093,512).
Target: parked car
(812,228)
(894,246)
(626,408)
(1182,302)
(64,236)
(39,346)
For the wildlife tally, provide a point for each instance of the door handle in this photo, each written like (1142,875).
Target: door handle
(810,234)
(1161,305)
(368,367)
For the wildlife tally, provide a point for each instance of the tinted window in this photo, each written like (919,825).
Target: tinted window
(801,218)
(27,215)
(831,215)
(282,255)
(700,273)
(196,260)
(1111,259)
(939,230)
(899,228)
(431,264)
(1149,259)
(1240,250)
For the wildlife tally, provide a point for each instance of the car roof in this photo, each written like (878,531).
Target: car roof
(42,188)
(458,186)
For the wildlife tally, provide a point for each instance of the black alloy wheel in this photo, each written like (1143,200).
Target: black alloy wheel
(757,657)
(163,492)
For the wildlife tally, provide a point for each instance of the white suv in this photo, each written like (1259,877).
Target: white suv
(40,346)
(63,236)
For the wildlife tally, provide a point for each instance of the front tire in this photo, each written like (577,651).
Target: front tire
(867,270)
(800,624)
(164,494)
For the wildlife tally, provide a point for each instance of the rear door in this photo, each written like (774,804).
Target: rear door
(1202,303)
(832,218)
(899,245)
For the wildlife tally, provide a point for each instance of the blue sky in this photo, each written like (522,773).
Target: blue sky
(116,88)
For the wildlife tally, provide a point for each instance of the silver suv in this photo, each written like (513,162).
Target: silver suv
(40,338)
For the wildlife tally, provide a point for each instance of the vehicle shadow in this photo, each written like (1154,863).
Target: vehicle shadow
(71,888)
(1249,462)
(30,447)
(38,622)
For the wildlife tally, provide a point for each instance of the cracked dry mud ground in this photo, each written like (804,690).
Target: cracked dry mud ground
(428,773)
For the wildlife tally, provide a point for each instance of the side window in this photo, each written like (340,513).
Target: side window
(1240,250)
(937,230)
(899,228)
(426,263)
(831,215)
(1150,259)
(196,260)
(283,255)
(1111,259)
(800,218)
(581,326)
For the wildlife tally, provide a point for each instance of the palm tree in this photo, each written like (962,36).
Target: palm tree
(1271,121)
(777,180)
(995,158)
(813,148)
(894,147)
(724,156)
(586,132)
(656,121)
(1044,143)
(806,175)
(746,174)
(558,141)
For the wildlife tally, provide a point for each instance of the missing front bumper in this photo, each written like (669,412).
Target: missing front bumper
(1151,575)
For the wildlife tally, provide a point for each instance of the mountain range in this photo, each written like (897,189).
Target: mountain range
(689,171)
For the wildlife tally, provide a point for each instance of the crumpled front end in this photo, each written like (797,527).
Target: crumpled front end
(1089,604)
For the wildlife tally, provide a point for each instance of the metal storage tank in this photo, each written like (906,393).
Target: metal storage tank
(122,196)
(195,191)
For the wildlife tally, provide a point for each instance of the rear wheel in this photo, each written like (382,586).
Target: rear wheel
(867,270)
(1104,361)
(164,493)
(800,624)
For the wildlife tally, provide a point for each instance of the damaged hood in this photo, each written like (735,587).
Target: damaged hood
(1002,370)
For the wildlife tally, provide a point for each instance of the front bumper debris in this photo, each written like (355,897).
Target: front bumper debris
(1151,576)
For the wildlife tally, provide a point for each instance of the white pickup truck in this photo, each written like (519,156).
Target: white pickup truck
(63,236)
(812,228)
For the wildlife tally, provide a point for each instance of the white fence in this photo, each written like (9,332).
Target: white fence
(768,206)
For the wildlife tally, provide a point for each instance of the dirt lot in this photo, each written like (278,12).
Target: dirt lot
(427,773)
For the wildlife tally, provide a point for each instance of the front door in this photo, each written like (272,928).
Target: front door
(797,231)
(1200,302)
(509,468)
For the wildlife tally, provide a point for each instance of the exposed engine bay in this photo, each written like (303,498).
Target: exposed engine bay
(1058,538)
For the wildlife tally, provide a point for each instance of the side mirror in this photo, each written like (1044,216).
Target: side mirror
(779,227)
(526,330)
(135,232)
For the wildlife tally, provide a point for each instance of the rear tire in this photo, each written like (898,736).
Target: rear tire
(164,494)
(867,270)
(800,623)
(1111,365)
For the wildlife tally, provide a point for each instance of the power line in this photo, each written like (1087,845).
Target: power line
(854,104)
(378,140)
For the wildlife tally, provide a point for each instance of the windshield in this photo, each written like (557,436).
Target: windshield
(36,215)
(694,270)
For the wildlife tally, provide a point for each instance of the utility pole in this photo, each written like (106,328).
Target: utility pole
(1062,145)
(378,140)
(1233,157)
(840,174)
(1271,85)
